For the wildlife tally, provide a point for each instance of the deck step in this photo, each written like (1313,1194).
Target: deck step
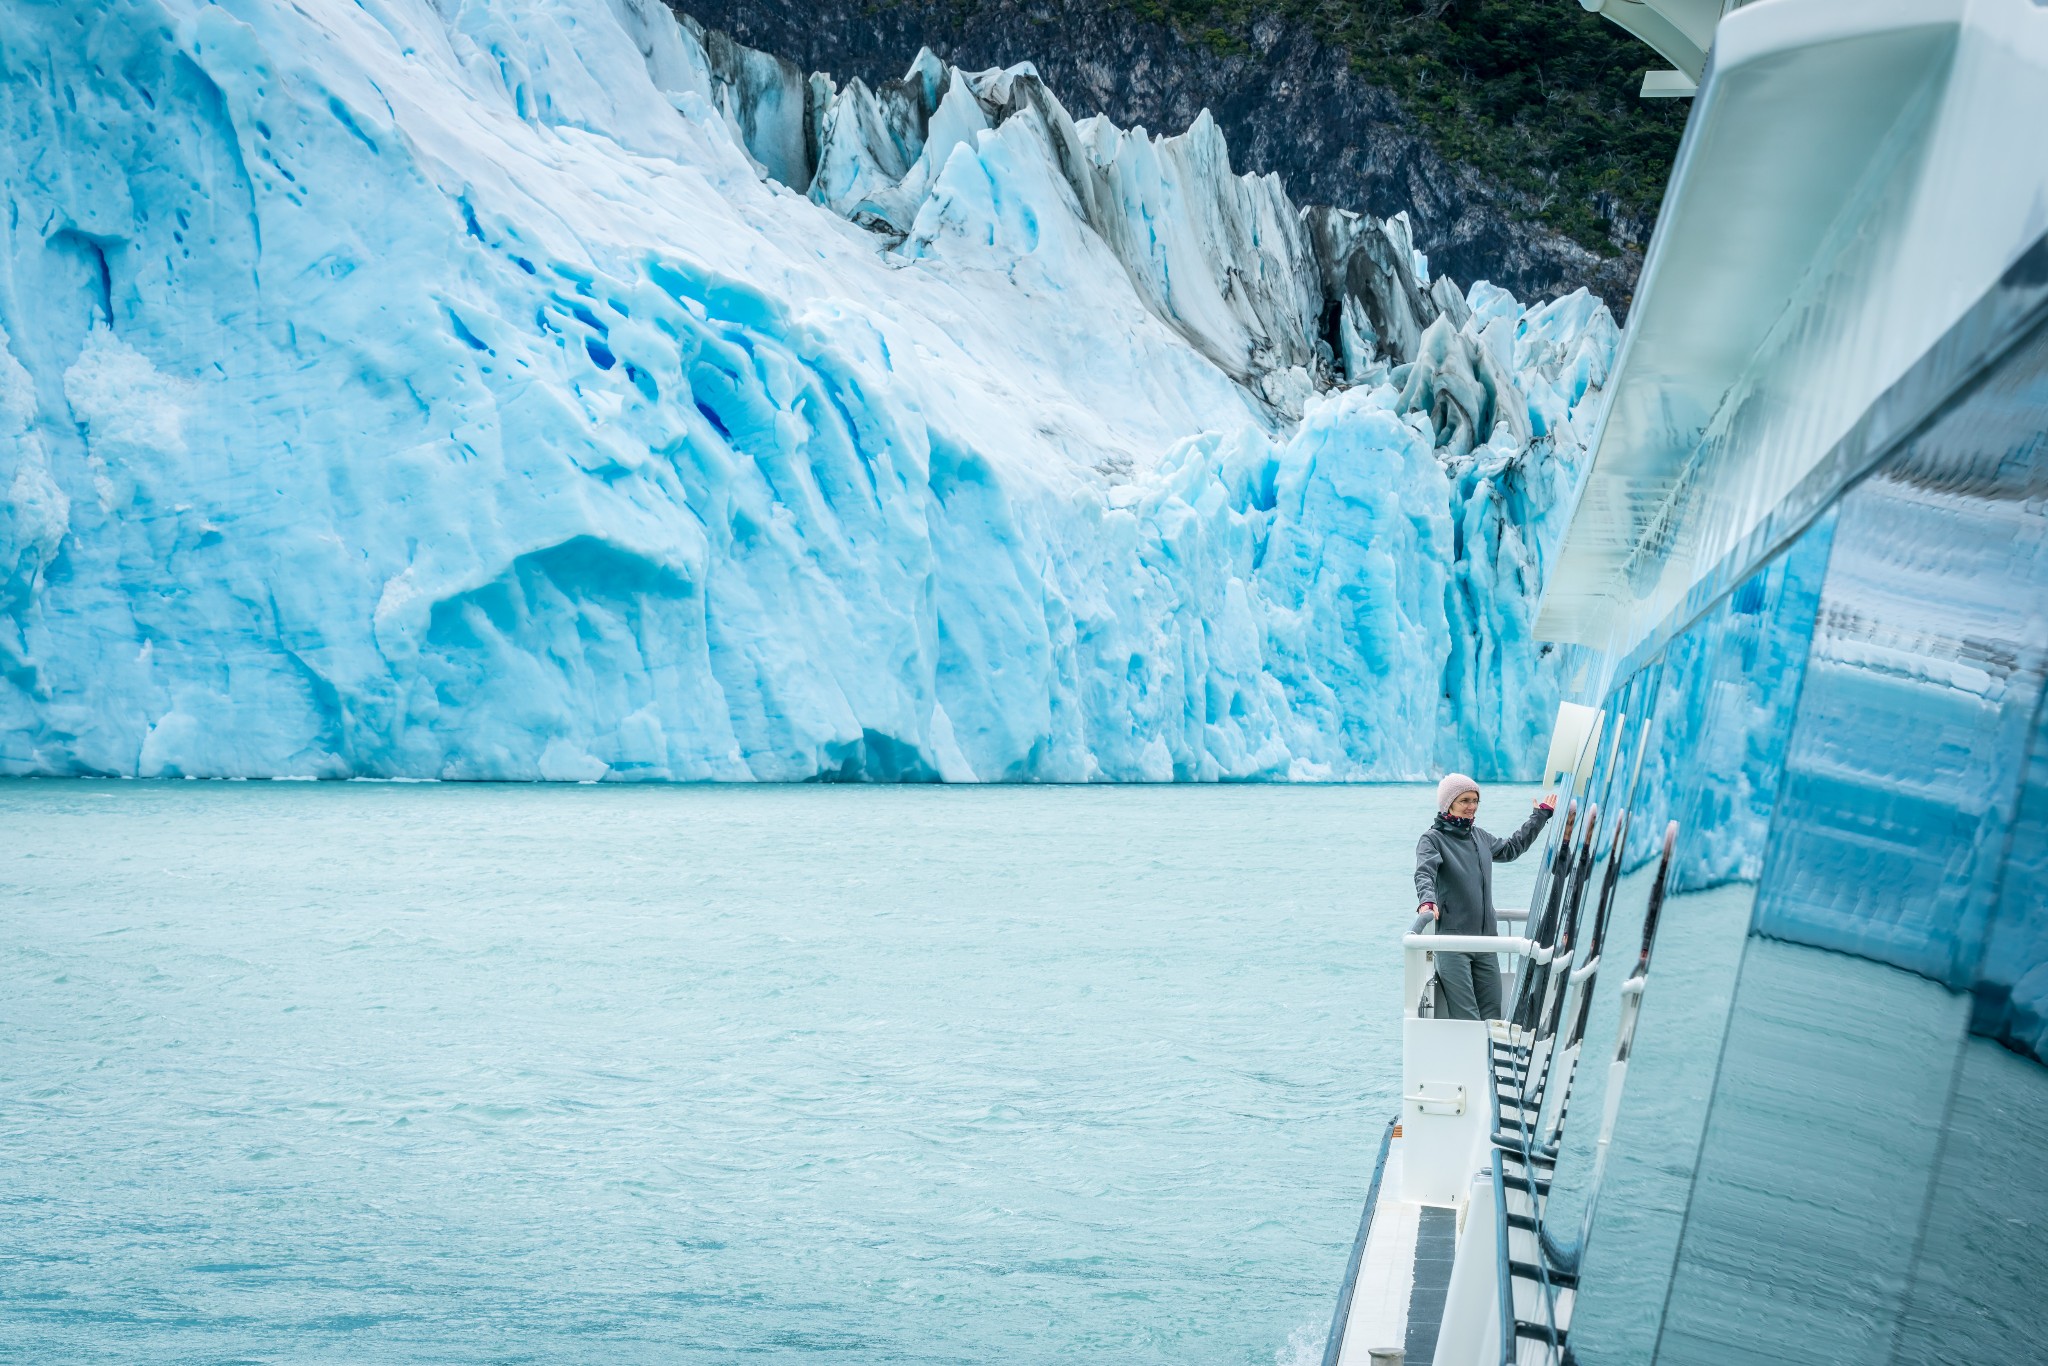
(1536,1331)
(1526,1271)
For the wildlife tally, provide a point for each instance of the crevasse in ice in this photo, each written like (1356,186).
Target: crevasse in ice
(555,390)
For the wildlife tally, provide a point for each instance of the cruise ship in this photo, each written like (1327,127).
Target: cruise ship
(1771,1084)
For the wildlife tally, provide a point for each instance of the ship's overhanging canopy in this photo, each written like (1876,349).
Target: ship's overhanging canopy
(1680,31)
(1852,179)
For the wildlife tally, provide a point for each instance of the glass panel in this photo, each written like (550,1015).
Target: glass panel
(1725,716)
(1983,1257)
(1848,1029)
(1976,1291)
(1724,702)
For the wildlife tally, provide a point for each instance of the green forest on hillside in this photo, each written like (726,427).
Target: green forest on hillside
(1538,94)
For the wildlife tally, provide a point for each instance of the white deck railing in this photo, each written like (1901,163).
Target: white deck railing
(1422,943)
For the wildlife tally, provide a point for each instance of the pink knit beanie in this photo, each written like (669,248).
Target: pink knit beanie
(1449,790)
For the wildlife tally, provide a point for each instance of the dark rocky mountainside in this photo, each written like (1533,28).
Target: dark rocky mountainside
(1287,101)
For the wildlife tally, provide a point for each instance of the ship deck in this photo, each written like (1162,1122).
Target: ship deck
(1403,1275)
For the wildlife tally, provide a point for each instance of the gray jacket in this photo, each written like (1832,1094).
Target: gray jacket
(1454,868)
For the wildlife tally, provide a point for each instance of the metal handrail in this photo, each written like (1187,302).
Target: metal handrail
(1509,1349)
(1416,992)
(1504,1276)
(1548,1294)
(1521,1145)
(1422,940)
(1550,878)
(1474,943)
(1524,1145)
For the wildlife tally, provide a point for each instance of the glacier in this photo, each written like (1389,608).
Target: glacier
(557,390)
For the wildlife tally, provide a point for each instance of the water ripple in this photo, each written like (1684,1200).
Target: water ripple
(448,1074)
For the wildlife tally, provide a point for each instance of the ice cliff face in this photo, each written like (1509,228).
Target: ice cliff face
(554,390)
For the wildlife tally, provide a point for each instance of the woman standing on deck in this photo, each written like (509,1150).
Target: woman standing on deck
(1454,882)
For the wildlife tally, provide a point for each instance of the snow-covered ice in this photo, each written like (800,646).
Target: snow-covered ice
(471,390)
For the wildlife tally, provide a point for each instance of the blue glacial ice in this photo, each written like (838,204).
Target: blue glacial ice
(555,390)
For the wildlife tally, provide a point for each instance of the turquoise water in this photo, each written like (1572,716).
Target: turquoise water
(376,1073)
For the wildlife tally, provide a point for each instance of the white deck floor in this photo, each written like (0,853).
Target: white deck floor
(1379,1304)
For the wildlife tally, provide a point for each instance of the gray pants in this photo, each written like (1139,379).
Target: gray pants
(1471,984)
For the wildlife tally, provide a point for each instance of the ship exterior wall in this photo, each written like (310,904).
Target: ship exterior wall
(1832,1146)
